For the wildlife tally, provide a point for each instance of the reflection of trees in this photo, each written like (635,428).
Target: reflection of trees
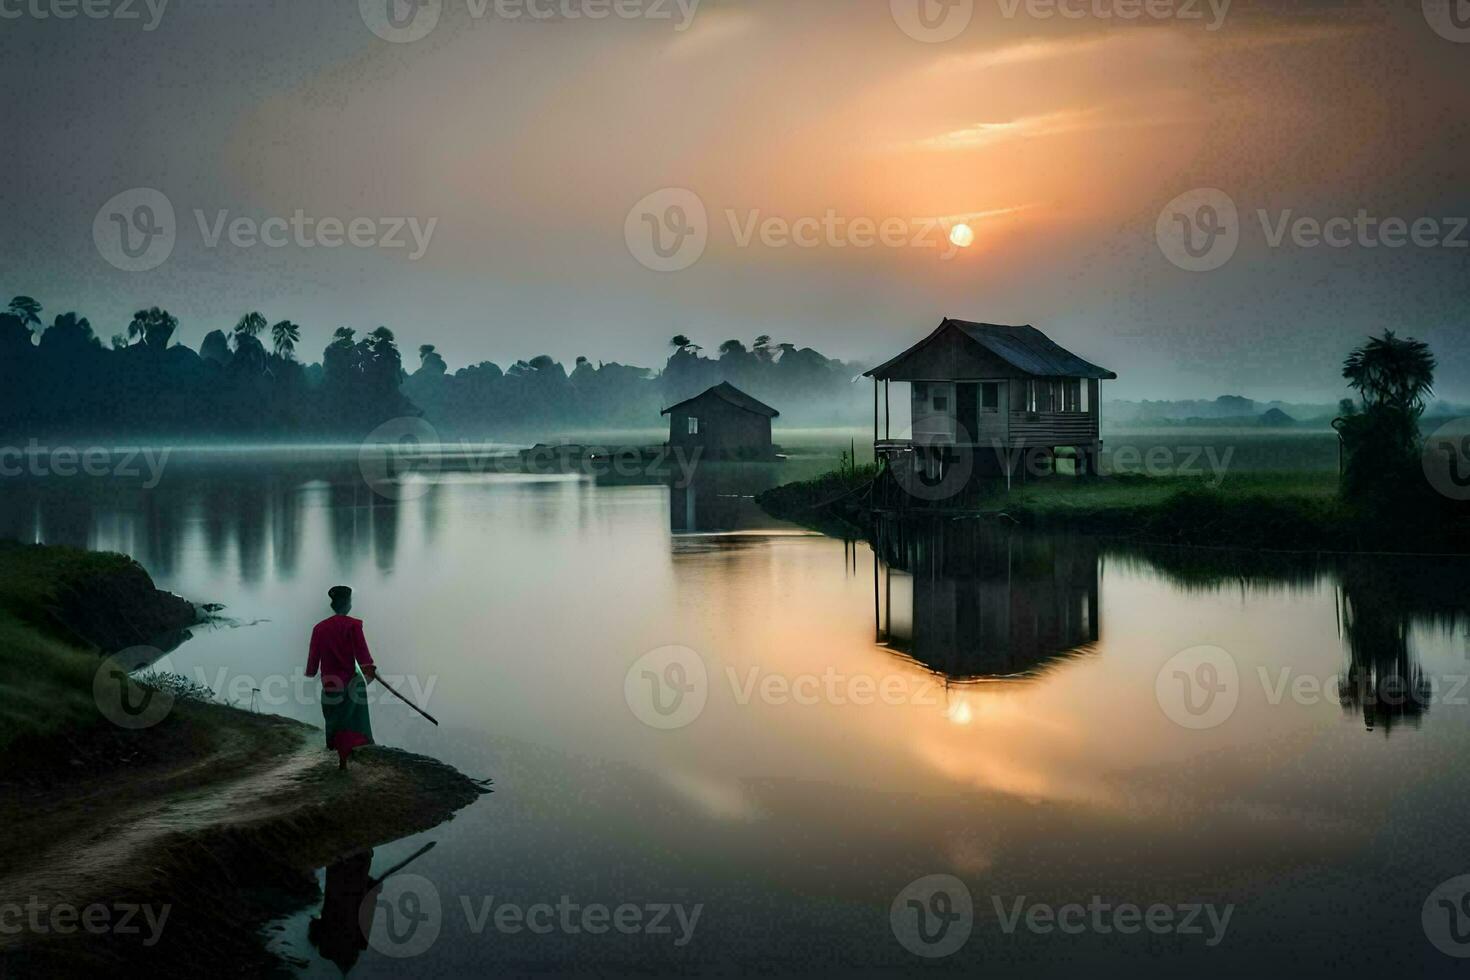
(1381,600)
(984,601)
(1380,604)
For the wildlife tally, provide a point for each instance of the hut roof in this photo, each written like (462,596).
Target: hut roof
(1024,348)
(728,392)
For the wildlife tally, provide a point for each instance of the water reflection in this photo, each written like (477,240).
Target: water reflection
(1387,607)
(721,497)
(973,600)
(340,933)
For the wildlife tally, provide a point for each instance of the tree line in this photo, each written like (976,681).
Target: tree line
(247,382)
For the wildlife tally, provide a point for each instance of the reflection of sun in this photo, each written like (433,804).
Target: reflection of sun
(962,235)
(959,713)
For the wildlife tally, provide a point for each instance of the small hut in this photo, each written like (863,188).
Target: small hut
(722,422)
(1005,395)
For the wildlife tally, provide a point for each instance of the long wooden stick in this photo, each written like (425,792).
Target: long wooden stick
(394,692)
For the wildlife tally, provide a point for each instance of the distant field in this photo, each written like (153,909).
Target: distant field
(1164,451)
(1238,450)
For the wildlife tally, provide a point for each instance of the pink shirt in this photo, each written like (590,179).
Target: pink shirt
(337,647)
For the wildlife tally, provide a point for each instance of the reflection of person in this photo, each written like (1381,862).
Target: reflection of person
(338,933)
(337,650)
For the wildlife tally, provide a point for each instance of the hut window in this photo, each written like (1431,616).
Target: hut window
(693,426)
(1031,396)
(941,403)
(990,397)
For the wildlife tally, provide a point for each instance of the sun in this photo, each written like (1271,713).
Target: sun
(962,235)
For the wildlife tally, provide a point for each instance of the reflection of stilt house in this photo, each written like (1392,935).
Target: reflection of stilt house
(1003,397)
(977,602)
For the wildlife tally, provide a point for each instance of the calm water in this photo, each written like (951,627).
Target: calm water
(970,702)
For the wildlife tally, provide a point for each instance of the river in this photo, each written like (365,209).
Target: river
(722,744)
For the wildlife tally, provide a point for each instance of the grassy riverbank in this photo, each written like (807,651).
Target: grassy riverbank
(1260,511)
(219,813)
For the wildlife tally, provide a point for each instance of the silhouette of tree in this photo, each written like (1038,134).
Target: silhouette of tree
(215,347)
(27,309)
(732,347)
(430,362)
(1394,378)
(286,336)
(1392,371)
(154,327)
(69,333)
(251,324)
(763,348)
(679,342)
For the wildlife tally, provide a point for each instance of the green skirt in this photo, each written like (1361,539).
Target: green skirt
(345,713)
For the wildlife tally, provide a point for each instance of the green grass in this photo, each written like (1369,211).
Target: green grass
(1257,510)
(47,678)
(47,686)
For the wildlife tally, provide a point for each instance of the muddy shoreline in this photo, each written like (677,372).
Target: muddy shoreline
(219,814)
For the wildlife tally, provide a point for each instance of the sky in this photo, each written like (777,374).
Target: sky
(1142,179)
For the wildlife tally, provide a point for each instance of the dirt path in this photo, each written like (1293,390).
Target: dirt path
(250,801)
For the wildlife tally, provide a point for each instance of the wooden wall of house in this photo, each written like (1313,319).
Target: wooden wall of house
(724,430)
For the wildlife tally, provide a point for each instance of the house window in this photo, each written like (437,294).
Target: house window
(1031,396)
(941,403)
(990,397)
(693,426)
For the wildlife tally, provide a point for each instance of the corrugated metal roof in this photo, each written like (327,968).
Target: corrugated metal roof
(1023,347)
(734,396)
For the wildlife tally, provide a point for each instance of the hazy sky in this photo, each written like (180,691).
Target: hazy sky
(519,147)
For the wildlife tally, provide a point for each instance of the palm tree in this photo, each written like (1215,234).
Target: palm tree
(285,335)
(153,326)
(251,324)
(1392,372)
(1381,444)
(27,309)
(679,342)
